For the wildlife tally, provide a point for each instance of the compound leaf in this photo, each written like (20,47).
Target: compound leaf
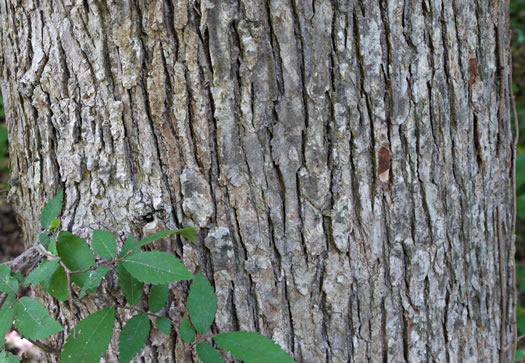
(104,244)
(208,354)
(93,335)
(156,267)
(133,336)
(252,347)
(158,297)
(33,321)
(202,303)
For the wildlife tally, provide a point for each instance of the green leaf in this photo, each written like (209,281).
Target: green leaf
(252,347)
(10,300)
(104,244)
(53,247)
(18,276)
(156,267)
(131,287)
(6,357)
(186,331)
(32,319)
(56,286)
(42,272)
(202,303)
(92,339)
(208,354)
(76,255)
(521,325)
(8,283)
(164,325)
(133,336)
(158,297)
(519,354)
(43,237)
(520,204)
(6,321)
(188,233)
(93,280)
(55,224)
(520,170)
(51,210)
(130,244)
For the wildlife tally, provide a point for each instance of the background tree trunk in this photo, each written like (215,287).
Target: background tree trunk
(269,126)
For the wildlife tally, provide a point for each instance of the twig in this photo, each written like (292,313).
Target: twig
(105,263)
(139,311)
(27,260)
(46,348)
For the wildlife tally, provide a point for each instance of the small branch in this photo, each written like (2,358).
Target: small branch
(138,311)
(46,348)
(27,260)
(105,263)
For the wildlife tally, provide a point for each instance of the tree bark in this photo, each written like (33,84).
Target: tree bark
(348,165)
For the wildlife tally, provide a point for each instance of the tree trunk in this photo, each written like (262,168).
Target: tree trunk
(348,165)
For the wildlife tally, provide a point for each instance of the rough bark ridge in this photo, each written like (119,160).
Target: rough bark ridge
(348,164)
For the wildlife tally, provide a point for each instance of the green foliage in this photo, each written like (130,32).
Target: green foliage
(188,233)
(7,315)
(129,245)
(88,341)
(32,319)
(517,7)
(133,336)
(42,272)
(93,280)
(156,267)
(6,357)
(43,237)
(131,287)
(93,334)
(158,297)
(208,354)
(164,325)
(8,283)
(51,210)
(202,303)
(187,333)
(104,244)
(252,347)
(56,286)
(520,354)
(76,255)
